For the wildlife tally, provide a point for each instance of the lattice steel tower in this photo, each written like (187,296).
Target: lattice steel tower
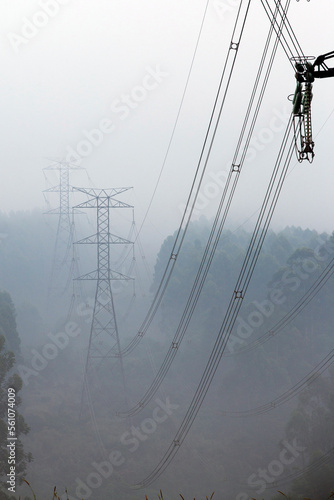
(104,337)
(62,258)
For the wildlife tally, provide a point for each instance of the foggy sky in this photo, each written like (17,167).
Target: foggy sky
(121,67)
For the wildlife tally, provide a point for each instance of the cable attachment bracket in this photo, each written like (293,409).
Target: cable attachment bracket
(301,108)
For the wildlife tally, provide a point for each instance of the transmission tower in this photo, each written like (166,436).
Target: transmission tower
(62,257)
(104,337)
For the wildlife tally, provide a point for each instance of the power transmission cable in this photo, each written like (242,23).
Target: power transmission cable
(313,466)
(272,195)
(244,279)
(141,251)
(250,217)
(289,394)
(289,28)
(279,31)
(194,191)
(134,235)
(213,238)
(240,290)
(177,117)
(294,311)
(121,259)
(175,123)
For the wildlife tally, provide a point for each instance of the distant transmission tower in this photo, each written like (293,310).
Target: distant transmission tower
(62,257)
(104,337)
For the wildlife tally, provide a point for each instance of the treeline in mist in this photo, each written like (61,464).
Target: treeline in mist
(267,421)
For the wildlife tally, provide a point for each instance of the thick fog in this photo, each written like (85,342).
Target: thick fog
(103,84)
(122,92)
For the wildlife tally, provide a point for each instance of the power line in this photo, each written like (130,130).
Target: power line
(197,180)
(214,236)
(289,316)
(313,466)
(279,31)
(289,394)
(240,290)
(176,120)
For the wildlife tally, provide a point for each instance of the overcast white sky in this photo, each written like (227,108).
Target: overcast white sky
(66,77)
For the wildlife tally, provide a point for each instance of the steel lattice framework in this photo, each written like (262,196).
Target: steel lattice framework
(104,337)
(62,258)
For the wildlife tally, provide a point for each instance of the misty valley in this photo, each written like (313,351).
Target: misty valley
(266,424)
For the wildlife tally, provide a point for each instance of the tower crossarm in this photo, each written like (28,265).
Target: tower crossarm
(108,202)
(111,239)
(112,276)
(107,193)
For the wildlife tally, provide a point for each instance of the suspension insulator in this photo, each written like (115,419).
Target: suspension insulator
(307,99)
(297,99)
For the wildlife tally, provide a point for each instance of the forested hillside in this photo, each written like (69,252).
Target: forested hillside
(13,457)
(267,421)
(280,354)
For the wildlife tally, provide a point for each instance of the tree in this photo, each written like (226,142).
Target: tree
(312,423)
(10,384)
(8,323)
